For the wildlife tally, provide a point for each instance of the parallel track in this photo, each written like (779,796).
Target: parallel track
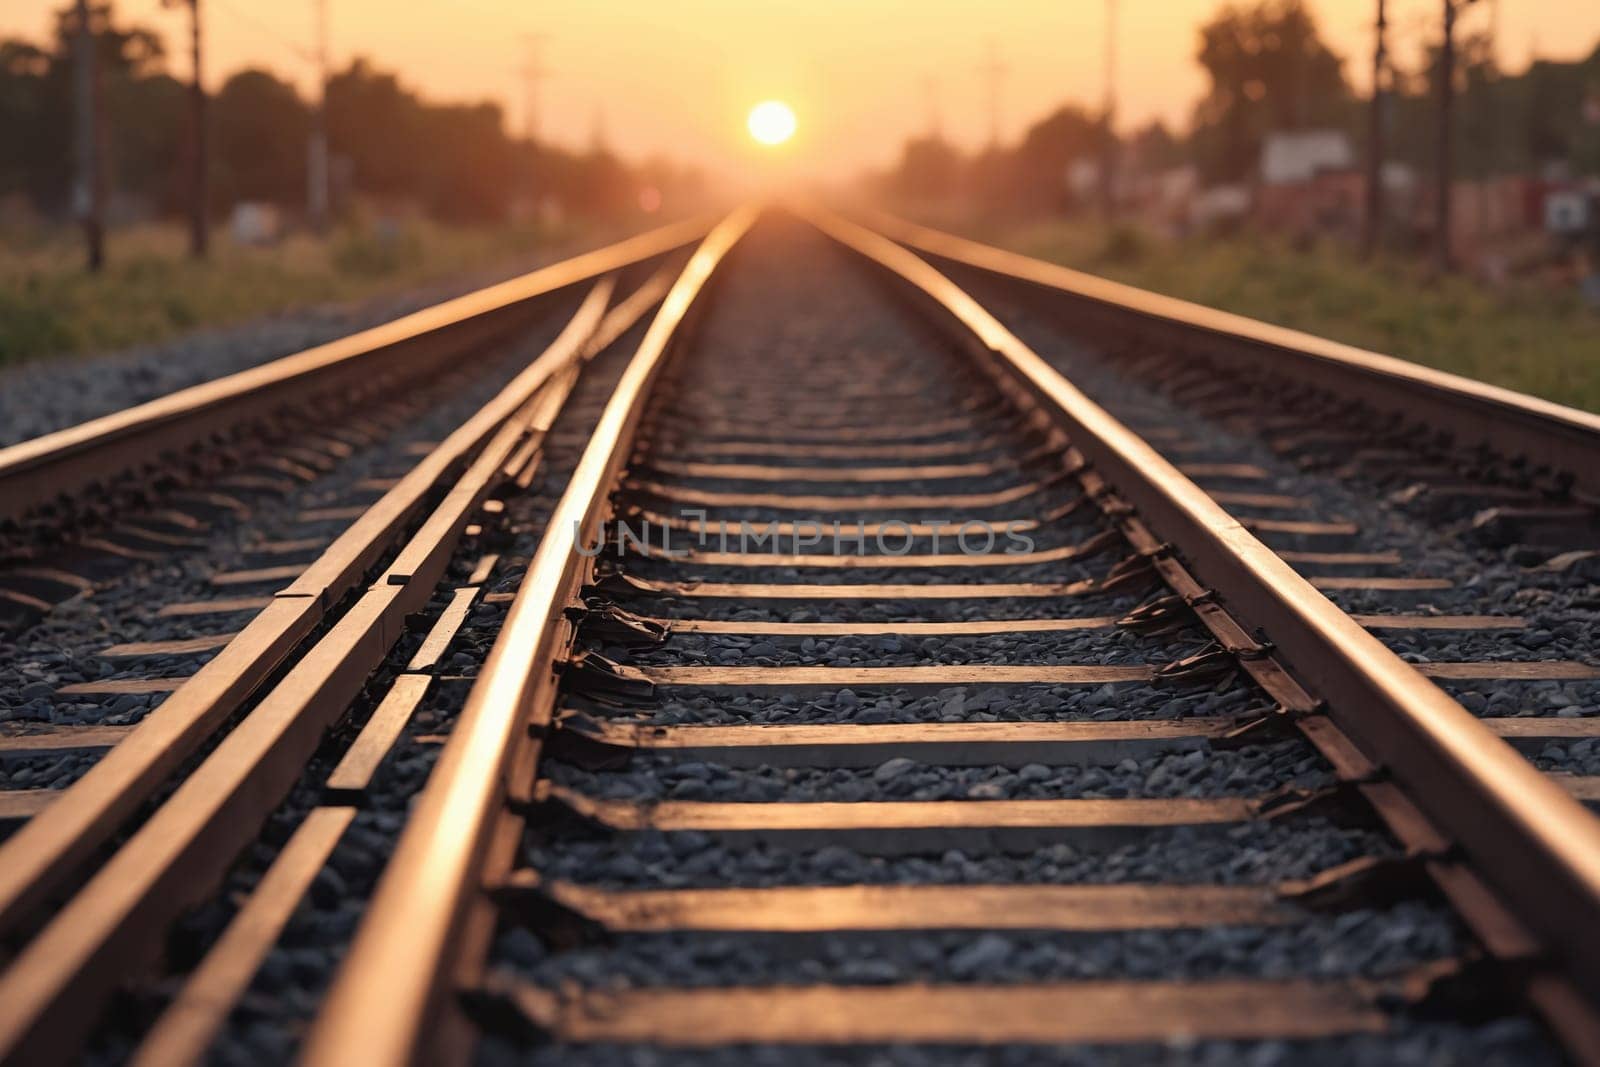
(1120,540)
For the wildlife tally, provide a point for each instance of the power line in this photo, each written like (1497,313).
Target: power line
(319,198)
(301,52)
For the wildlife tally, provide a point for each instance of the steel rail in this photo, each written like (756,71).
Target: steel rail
(70,460)
(1533,843)
(1473,413)
(415,935)
(40,857)
(186,845)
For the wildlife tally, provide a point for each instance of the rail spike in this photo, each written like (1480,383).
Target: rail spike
(1364,882)
(1210,665)
(525,898)
(594,677)
(573,738)
(599,620)
(1163,615)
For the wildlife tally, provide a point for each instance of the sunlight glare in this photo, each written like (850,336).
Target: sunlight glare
(771,122)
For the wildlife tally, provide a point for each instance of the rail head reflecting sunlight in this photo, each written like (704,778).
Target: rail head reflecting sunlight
(771,122)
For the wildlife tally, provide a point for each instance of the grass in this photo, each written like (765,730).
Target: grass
(1534,338)
(150,290)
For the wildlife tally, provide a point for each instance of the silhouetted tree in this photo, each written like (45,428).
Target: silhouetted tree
(1153,147)
(466,172)
(260,130)
(1269,70)
(375,124)
(1035,175)
(930,169)
(35,153)
(36,96)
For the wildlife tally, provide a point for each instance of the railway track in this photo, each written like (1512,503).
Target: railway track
(784,656)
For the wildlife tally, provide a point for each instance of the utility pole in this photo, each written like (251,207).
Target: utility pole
(1108,163)
(318,198)
(199,193)
(1443,255)
(533,72)
(88,192)
(995,71)
(1372,231)
(1484,104)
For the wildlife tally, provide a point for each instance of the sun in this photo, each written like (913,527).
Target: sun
(771,122)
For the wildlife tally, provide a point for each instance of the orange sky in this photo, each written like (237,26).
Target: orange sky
(678,76)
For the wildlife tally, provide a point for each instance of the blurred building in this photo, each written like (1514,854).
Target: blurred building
(1309,183)
(1294,157)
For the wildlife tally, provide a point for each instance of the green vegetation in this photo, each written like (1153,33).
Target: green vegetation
(150,290)
(1533,337)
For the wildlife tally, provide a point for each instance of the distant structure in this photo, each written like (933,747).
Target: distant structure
(1298,155)
(1309,182)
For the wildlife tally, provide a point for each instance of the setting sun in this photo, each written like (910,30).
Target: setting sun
(771,122)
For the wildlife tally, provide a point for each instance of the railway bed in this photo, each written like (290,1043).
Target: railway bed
(788,664)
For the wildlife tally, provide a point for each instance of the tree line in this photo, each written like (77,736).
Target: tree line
(1269,69)
(454,161)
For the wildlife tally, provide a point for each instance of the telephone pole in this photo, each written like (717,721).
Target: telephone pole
(1108,162)
(318,198)
(1372,231)
(930,87)
(1443,254)
(533,72)
(995,71)
(88,191)
(199,191)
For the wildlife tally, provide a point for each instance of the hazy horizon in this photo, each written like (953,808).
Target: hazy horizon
(677,80)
